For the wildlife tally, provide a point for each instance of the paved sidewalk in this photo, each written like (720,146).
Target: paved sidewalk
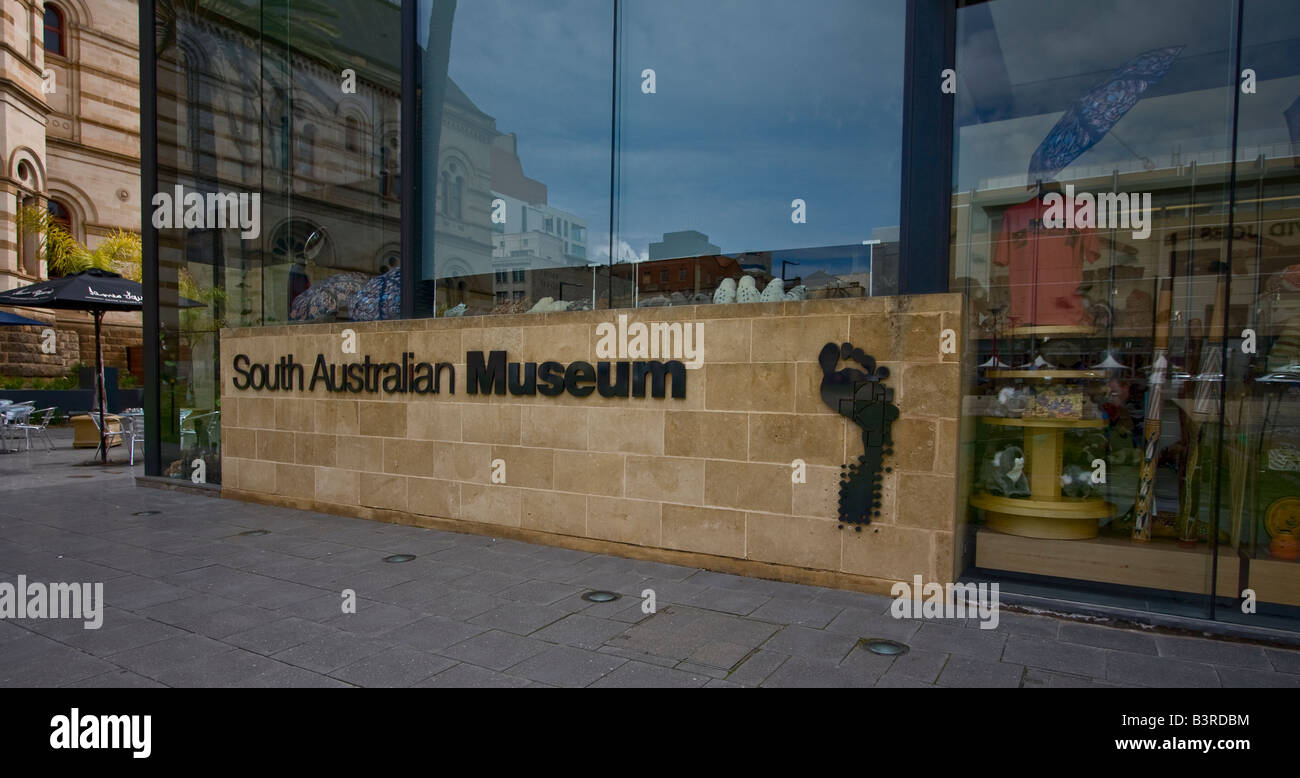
(193,602)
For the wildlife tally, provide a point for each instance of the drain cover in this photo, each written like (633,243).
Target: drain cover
(600,596)
(395,558)
(252,533)
(883,647)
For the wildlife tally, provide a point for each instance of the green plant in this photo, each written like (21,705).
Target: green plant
(127,381)
(11,382)
(120,252)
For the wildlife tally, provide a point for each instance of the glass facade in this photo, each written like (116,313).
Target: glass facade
(594,154)
(1118,209)
(1120,218)
(277,200)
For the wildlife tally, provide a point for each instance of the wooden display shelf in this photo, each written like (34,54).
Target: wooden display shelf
(1059,518)
(1045,513)
(1038,330)
(1045,375)
(1159,564)
(1014,421)
(1073,508)
(1274,580)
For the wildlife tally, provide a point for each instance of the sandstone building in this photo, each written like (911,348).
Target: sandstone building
(70,134)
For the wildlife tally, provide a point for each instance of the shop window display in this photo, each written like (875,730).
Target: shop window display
(1132,406)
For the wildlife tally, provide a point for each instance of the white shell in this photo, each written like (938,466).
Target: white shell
(800,292)
(747,291)
(459,310)
(543,305)
(726,292)
(774,291)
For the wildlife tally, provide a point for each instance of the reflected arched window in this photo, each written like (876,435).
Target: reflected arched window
(390,177)
(55,34)
(307,149)
(453,190)
(62,216)
(351,134)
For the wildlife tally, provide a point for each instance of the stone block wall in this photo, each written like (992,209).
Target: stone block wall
(702,480)
(21,355)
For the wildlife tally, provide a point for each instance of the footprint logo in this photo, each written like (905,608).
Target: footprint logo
(861,396)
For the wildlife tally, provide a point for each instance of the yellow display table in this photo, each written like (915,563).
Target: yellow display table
(86,435)
(1045,513)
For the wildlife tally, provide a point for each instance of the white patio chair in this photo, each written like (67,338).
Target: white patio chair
(133,429)
(189,429)
(14,416)
(104,438)
(38,422)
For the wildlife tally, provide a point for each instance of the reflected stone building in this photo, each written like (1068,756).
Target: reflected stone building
(71,140)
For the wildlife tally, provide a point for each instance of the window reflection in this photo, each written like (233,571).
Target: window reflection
(249,102)
(1102,344)
(732,167)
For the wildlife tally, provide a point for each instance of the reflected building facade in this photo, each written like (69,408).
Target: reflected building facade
(510,159)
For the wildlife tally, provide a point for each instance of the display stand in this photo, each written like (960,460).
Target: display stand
(1045,513)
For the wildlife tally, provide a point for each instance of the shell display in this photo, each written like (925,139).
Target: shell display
(543,305)
(774,291)
(459,310)
(325,297)
(521,305)
(800,292)
(726,292)
(747,291)
(379,298)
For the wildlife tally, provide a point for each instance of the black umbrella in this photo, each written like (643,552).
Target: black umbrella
(94,290)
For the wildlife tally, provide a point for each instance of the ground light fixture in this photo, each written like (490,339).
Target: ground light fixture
(396,558)
(146,513)
(253,533)
(883,647)
(600,596)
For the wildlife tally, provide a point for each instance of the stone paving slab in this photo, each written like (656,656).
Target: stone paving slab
(193,602)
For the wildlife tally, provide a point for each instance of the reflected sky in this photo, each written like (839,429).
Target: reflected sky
(1019,71)
(758,102)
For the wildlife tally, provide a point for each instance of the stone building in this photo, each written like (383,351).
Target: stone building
(70,135)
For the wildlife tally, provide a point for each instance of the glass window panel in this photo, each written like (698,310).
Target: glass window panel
(762,138)
(515,138)
(1259,483)
(1091,414)
(250,106)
